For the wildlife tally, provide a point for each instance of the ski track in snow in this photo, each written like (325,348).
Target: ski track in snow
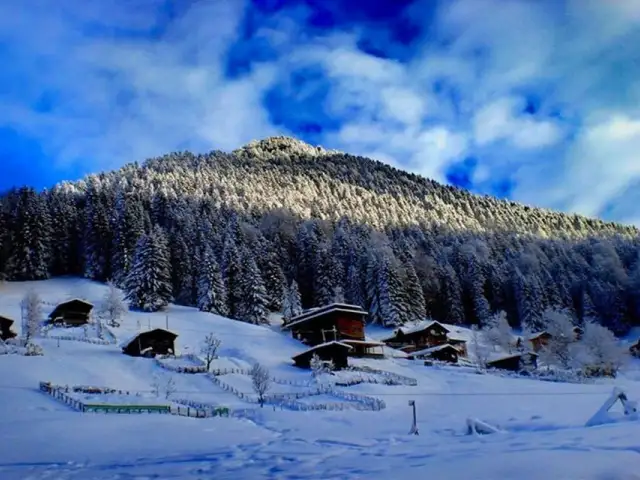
(544,435)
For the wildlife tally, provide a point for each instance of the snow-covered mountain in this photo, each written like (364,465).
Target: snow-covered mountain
(363,434)
(278,210)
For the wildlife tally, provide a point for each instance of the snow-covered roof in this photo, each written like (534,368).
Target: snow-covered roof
(535,335)
(365,342)
(512,355)
(430,350)
(316,312)
(418,327)
(324,345)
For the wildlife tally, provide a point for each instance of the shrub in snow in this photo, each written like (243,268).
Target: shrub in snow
(260,381)
(33,350)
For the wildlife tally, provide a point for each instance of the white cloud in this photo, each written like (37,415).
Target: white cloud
(604,160)
(499,121)
(117,98)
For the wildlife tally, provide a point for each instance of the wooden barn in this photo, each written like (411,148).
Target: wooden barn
(338,322)
(5,328)
(516,362)
(73,313)
(418,337)
(443,353)
(150,343)
(337,352)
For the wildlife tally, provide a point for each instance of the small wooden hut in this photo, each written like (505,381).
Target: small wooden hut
(73,313)
(516,362)
(337,352)
(150,343)
(443,353)
(5,328)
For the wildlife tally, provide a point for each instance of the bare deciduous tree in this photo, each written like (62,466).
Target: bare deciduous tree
(261,381)
(479,348)
(209,349)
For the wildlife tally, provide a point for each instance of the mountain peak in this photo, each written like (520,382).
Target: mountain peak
(280,145)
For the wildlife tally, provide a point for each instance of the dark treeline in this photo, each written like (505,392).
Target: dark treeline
(230,233)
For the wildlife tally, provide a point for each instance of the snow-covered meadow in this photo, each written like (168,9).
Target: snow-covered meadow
(543,433)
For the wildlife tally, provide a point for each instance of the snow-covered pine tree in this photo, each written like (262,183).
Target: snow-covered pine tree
(182,266)
(232,273)
(324,285)
(451,294)
(291,304)
(148,283)
(128,226)
(31,252)
(273,276)
(413,291)
(97,231)
(212,294)
(253,305)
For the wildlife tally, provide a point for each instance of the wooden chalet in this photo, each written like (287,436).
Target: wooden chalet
(516,362)
(150,343)
(338,322)
(539,340)
(418,337)
(336,352)
(73,313)
(5,328)
(443,353)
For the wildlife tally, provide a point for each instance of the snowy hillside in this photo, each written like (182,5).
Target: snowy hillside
(542,424)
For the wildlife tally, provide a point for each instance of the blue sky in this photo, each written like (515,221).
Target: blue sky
(534,100)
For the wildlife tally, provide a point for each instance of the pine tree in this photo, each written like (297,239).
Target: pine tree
(212,294)
(233,278)
(31,252)
(128,226)
(324,286)
(253,306)
(148,283)
(413,292)
(97,229)
(291,304)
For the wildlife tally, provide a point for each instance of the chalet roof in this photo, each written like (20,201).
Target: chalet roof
(5,321)
(318,312)
(456,340)
(430,350)
(129,340)
(510,356)
(419,327)
(321,346)
(372,343)
(544,333)
(88,305)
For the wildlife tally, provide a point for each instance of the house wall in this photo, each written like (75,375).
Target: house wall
(347,325)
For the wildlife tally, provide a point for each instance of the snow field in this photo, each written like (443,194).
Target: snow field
(543,422)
